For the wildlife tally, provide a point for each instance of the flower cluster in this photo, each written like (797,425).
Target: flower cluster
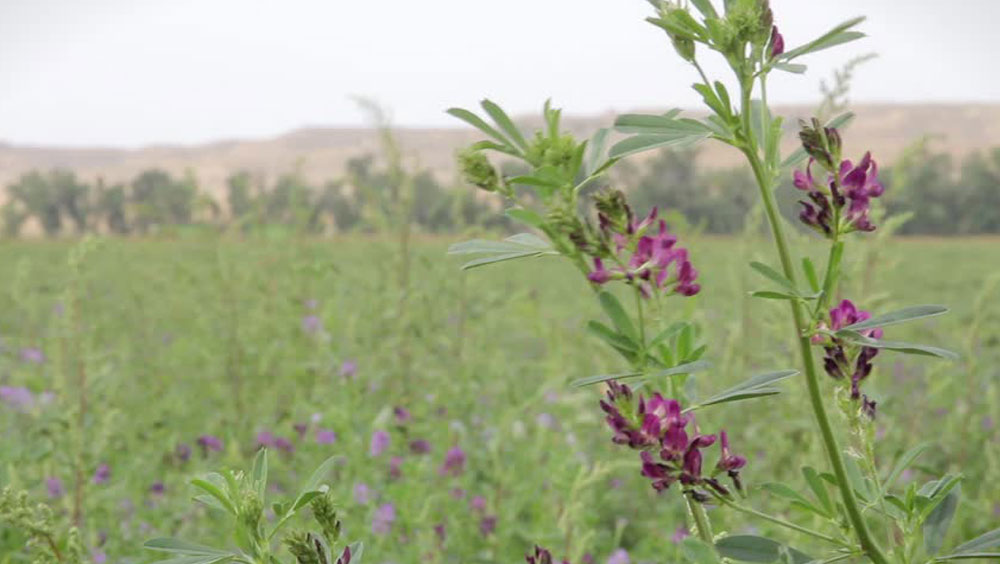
(658,428)
(843,360)
(645,253)
(841,203)
(541,556)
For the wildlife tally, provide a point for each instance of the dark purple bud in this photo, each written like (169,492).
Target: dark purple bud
(420,446)
(777,42)
(487,525)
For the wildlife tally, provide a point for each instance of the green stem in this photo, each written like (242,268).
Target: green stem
(782,522)
(701,522)
(871,548)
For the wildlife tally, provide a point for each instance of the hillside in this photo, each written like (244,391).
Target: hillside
(321,153)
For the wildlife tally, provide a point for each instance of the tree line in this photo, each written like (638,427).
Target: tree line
(944,197)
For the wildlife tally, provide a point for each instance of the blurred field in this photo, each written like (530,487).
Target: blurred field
(195,336)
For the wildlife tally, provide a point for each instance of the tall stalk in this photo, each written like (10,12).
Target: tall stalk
(765,183)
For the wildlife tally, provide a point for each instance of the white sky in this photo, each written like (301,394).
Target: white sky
(134,72)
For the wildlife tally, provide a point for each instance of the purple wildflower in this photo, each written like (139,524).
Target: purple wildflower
(157,488)
(396,467)
(420,446)
(680,534)
(619,556)
(32,355)
(657,427)
(384,517)
(99,556)
(209,443)
(477,503)
(284,445)
(19,398)
(362,494)
(842,202)
(182,452)
(301,429)
(488,525)
(439,530)
(325,437)
(345,557)
(54,487)
(457,493)
(349,368)
(454,462)
(266,439)
(845,360)
(402,415)
(380,442)
(654,262)
(540,556)
(312,324)
(102,474)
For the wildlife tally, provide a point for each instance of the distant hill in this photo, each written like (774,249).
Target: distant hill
(322,153)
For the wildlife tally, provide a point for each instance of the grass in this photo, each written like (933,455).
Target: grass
(175,339)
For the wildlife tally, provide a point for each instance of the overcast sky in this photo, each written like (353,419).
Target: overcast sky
(134,72)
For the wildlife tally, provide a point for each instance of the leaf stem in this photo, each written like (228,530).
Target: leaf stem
(782,522)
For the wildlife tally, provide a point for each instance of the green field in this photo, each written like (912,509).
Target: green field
(160,342)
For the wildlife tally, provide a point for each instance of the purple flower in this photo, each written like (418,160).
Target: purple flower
(157,488)
(402,415)
(55,487)
(266,439)
(209,443)
(454,462)
(312,324)
(395,467)
(362,494)
(384,517)
(380,442)
(657,427)
(777,42)
(540,556)
(842,203)
(679,535)
(488,525)
(284,445)
(619,556)
(457,493)
(32,355)
(348,369)
(440,531)
(301,429)
(325,437)
(99,556)
(102,474)
(843,359)
(182,452)
(653,261)
(477,503)
(19,398)
(420,446)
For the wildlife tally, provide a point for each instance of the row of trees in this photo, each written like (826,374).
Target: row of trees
(944,197)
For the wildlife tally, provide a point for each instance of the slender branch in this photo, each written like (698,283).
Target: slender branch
(782,522)
(701,522)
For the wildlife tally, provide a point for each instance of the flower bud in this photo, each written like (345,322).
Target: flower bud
(477,170)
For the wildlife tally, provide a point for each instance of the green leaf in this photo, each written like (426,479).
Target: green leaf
(614,310)
(215,492)
(667,333)
(750,548)
(898,346)
(904,462)
(754,387)
(773,275)
(205,559)
(770,295)
(312,486)
(505,123)
(477,122)
(177,546)
(357,551)
(259,472)
(597,160)
(612,337)
(936,525)
(686,368)
(518,246)
(788,493)
(706,8)
(899,316)
(810,271)
(526,216)
(818,488)
(697,551)
(986,540)
(791,67)
(836,36)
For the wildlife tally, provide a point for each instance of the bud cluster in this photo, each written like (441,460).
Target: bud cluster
(658,429)
(842,202)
